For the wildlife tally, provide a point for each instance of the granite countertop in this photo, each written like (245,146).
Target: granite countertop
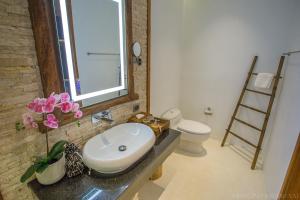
(123,186)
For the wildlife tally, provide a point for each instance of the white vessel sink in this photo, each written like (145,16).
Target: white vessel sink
(118,148)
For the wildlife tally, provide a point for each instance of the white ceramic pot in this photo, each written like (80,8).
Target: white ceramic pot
(53,173)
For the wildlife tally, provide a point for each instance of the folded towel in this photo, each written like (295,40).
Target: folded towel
(264,80)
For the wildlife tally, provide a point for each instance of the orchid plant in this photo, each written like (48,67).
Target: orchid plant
(46,107)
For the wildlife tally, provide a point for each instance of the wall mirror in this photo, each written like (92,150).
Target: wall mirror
(84,48)
(91,36)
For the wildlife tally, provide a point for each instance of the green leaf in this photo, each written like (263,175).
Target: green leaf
(29,172)
(19,126)
(58,156)
(78,123)
(42,168)
(57,148)
(41,160)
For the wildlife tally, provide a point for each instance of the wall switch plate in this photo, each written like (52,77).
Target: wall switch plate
(136,107)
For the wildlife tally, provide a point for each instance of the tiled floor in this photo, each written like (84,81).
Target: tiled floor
(221,174)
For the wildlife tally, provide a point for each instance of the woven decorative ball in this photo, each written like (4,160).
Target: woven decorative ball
(74,164)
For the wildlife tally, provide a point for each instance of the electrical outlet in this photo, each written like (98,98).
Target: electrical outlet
(136,107)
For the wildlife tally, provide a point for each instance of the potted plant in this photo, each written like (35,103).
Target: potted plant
(49,168)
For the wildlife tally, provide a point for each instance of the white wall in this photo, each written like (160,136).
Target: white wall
(165,54)
(220,40)
(286,127)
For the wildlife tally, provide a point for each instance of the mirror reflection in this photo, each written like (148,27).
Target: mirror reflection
(92,44)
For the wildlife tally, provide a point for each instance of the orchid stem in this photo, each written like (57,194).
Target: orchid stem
(47,141)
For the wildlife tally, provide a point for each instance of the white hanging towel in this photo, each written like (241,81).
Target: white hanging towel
(264,80)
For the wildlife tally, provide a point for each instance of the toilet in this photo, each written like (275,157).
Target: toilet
(193,133)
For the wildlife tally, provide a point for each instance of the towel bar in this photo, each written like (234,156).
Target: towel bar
(289,53)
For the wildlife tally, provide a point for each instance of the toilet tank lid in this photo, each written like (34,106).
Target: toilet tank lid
(193,127)
(171,114)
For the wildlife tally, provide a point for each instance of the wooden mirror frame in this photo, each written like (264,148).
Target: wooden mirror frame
(44,30)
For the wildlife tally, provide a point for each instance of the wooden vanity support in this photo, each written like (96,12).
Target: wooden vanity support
(157,128)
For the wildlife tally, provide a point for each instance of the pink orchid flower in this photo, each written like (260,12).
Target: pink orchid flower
(48,108)
(66,107)
(52,99)
(51,121)
(36,105)
(28,121)
(78,114)
(64,97)
(56,96)
(32,105)
(75,107)
(49,105)
(39,104)
(34,125)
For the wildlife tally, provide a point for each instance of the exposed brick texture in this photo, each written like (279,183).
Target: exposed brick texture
(20,83)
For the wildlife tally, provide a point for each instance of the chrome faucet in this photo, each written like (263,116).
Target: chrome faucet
(102,116)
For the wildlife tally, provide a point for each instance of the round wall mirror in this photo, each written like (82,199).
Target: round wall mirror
(137,49)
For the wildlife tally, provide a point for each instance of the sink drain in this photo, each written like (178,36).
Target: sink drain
(122,148)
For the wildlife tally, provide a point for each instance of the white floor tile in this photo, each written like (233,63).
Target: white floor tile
(221,174)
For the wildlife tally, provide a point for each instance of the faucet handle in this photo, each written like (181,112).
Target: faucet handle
(102,116)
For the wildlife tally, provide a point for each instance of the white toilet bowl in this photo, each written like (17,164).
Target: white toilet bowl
(193,133)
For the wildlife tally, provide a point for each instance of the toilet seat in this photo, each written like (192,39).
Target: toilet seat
(193,127)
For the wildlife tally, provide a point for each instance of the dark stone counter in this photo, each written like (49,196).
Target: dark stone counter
(123,186)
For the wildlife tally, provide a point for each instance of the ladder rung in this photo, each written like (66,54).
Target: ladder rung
(255,74)
(259,92)
(244,140)
(243,122)
(255,109)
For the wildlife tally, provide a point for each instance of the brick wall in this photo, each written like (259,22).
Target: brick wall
(20,83)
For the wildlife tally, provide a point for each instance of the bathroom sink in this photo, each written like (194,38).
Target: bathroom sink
(118,148)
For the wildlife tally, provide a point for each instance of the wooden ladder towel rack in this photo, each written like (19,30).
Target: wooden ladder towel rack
(266,113)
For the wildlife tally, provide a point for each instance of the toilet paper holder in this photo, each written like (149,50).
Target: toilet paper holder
(208,111)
